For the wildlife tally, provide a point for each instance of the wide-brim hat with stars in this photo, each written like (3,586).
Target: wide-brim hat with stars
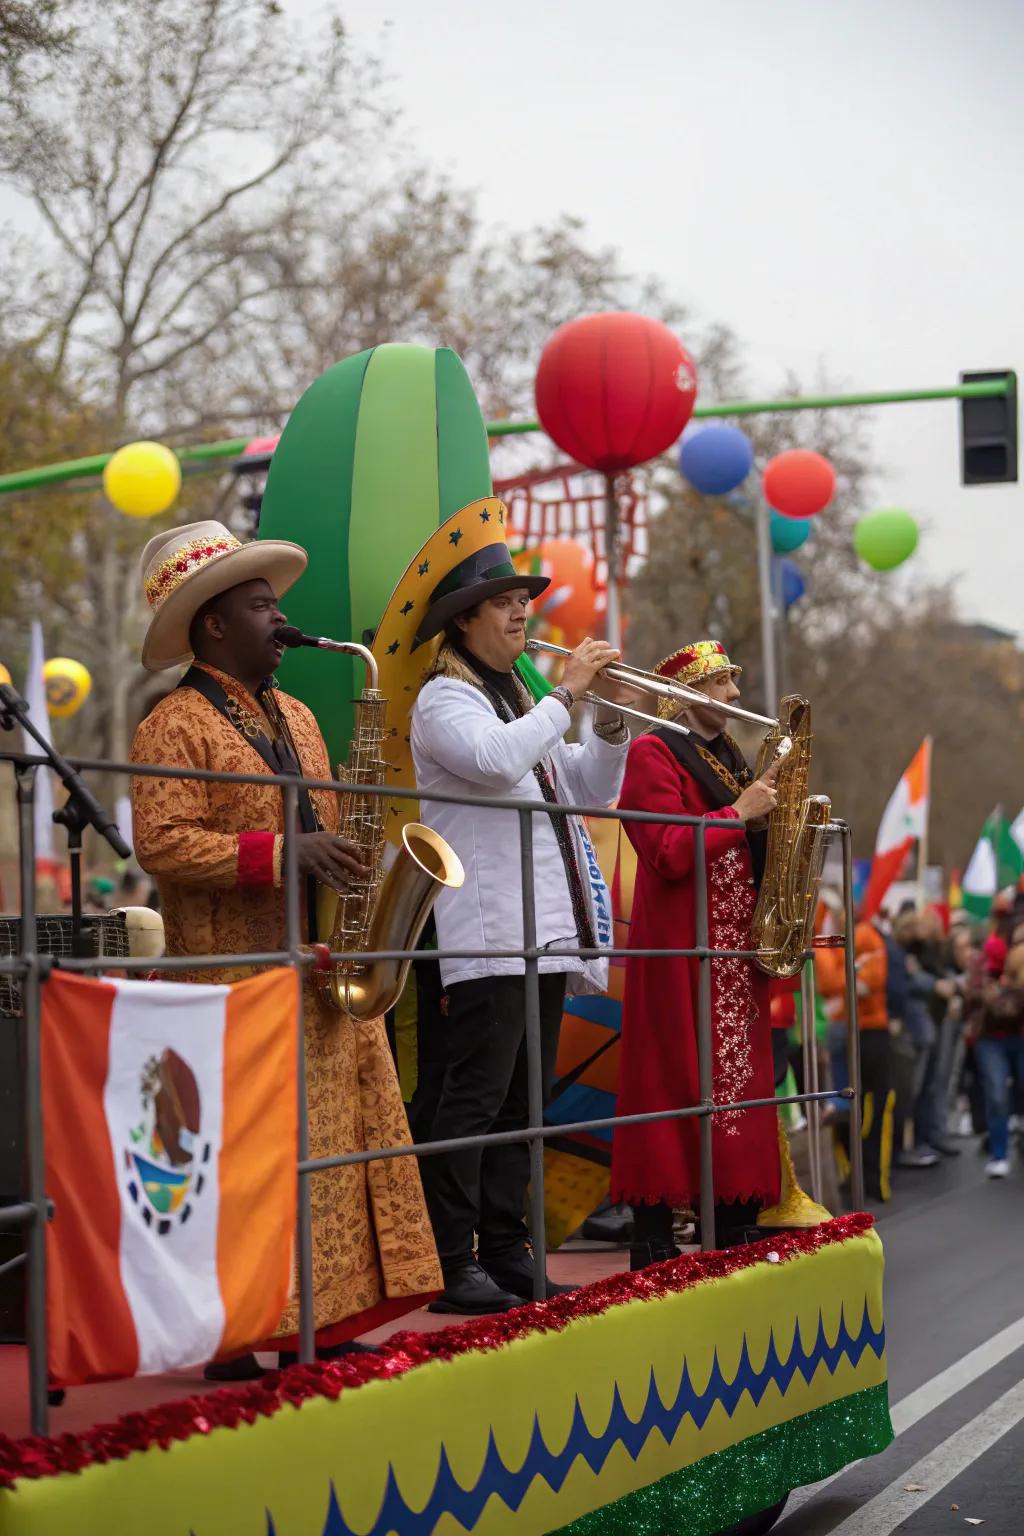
(464,561)
(477,576)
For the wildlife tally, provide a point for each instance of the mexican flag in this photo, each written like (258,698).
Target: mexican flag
(997,861)
(171,1115)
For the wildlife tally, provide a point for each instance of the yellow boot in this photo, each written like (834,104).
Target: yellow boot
(795,1207)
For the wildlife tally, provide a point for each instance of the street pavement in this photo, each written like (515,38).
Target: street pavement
(954,1312)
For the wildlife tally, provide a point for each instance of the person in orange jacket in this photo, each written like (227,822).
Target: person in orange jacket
(879,1096)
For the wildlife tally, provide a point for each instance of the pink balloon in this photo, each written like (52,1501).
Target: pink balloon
(798,483)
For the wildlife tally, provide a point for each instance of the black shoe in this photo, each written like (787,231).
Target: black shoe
(614,1225)
(242,1368)
(515,1273)
(946,1147)
(471,1290)
(643,1254)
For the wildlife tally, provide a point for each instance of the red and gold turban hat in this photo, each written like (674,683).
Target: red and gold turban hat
(692,665)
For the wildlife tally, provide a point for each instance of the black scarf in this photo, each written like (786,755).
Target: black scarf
(505,693)
(504,684)
(722,772)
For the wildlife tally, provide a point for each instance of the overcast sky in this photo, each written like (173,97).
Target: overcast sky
(839,182)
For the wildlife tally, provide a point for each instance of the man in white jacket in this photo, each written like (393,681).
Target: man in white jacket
(475,731)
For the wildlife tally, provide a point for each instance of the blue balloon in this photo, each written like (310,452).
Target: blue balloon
(788,533)
(793,584)
(716,459)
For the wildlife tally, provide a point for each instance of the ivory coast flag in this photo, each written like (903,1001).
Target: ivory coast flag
(903,823)
(171,1128)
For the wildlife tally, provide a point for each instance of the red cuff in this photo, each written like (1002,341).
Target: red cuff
(256,858)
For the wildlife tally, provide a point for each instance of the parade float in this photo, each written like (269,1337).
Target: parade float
(682,1398)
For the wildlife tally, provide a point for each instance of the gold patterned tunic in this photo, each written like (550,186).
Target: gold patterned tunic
(215,853)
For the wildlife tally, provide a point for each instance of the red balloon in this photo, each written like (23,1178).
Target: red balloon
(798,483)
(615,390)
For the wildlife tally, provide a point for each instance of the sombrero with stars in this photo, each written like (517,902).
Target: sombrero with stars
(481,573)
(463,562)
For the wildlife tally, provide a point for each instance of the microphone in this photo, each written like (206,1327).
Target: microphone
(291,637)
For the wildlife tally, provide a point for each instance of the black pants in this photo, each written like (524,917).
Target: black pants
(484,1088)
(878,1095)
(430,1043)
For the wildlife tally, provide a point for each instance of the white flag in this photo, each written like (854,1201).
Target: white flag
(35,698)
(1017,831)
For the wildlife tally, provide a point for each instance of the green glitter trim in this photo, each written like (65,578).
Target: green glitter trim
(720,1489)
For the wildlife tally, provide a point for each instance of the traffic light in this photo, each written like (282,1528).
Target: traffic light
(988,432)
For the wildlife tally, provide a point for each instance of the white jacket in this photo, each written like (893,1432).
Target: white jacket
(460,746)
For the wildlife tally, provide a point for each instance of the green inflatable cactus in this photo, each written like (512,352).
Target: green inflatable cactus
(377,453)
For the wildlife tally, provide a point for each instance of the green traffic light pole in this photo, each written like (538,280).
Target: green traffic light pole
(206,457)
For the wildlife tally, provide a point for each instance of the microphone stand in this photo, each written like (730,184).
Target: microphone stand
(81,810)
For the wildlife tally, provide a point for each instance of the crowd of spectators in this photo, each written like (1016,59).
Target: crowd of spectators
(940,1013)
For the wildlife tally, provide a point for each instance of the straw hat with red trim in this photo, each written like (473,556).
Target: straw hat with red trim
(182,568)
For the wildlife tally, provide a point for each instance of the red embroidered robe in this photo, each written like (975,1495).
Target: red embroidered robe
(660,1161)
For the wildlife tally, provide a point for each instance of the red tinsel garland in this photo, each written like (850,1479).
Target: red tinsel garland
(38,1456)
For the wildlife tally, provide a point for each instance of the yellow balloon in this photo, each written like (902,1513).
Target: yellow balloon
(5,676)
(68,685)
(142,479)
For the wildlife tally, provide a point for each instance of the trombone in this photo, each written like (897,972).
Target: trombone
(651,682)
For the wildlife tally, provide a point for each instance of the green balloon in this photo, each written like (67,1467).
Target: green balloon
(885,538)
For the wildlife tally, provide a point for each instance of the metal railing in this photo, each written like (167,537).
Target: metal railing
(33,1211)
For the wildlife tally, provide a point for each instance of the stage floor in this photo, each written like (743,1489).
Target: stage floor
(577,1263)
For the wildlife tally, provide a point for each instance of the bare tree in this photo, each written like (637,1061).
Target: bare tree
(28,33)
(884,659)
(701,577)
(176,162)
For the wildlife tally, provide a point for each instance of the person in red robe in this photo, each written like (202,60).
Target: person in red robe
(656,1166)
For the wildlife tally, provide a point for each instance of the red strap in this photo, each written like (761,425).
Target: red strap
(256,858)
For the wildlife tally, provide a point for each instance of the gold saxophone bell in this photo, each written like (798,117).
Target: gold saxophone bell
(795,1207)
(424,866)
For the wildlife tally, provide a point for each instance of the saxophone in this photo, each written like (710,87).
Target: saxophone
(388,909)
(783,922)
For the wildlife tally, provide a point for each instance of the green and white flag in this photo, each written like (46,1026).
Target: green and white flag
(997,861)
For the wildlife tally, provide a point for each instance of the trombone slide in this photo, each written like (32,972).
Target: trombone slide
(650,682)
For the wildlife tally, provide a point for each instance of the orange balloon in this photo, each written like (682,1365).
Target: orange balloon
(570,603)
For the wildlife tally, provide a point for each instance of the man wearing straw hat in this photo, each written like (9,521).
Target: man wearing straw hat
(215,851)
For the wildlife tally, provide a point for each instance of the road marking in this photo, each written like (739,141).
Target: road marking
(881,1515)
(919,1403)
